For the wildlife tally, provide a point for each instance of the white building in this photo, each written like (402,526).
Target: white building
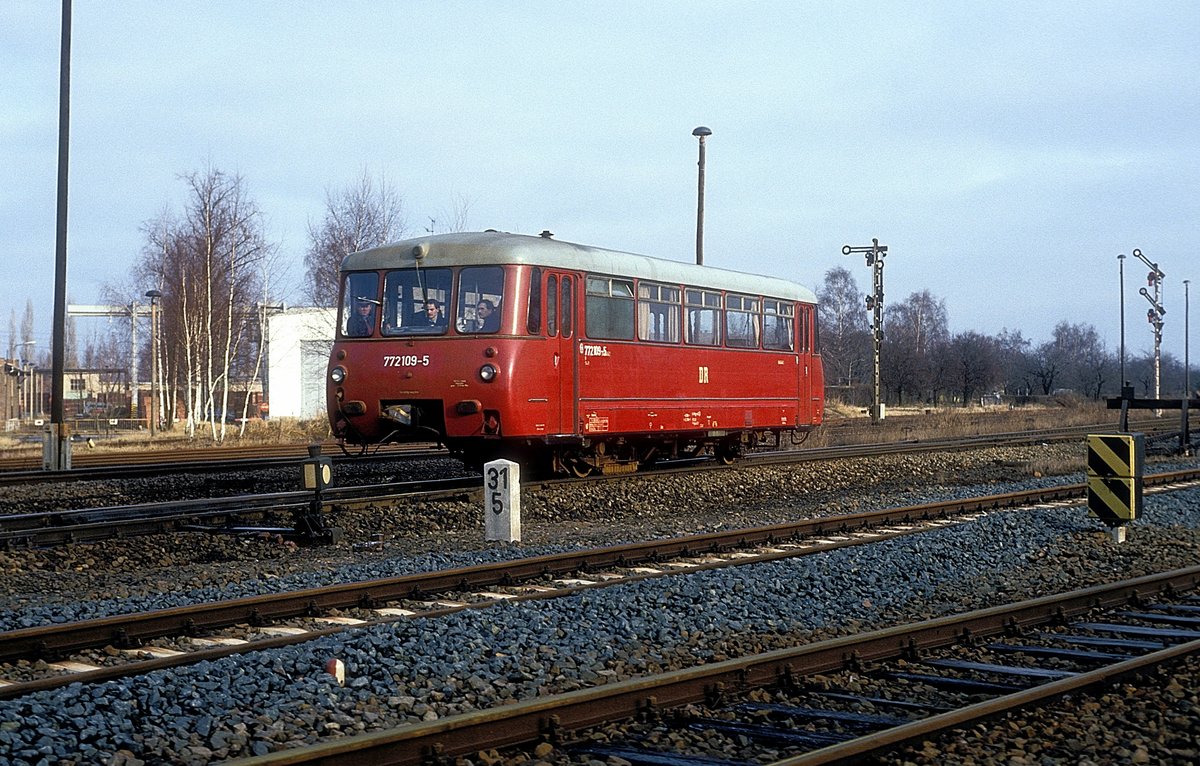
(299,341)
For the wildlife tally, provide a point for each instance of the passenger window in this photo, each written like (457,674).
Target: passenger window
(480,299)
(741,321)
(567,306)
(778,324)
(816,330)
(360,305)
(415,300)
(658,313)
(609,308)
(703,326)
(551,306)
(533,322)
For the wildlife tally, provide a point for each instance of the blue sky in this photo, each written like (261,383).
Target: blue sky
(1005,152)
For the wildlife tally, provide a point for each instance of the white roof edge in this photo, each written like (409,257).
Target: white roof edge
(494,247)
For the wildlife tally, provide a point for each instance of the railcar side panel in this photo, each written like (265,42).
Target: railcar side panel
(637,387)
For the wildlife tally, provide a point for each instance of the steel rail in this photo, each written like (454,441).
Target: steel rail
(133,629)
(552,717)
(159,463)
(93,524)
(856,749)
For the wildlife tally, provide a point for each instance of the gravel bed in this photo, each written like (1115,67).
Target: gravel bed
(405,672)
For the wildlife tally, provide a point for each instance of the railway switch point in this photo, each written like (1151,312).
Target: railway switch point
(317,474)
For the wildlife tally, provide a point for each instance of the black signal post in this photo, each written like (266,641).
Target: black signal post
(875,254)
(1154,315)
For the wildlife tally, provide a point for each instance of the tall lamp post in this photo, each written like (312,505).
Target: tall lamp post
(1121,263)
(153,295)
(28,388)
(700,133)
(1187,365)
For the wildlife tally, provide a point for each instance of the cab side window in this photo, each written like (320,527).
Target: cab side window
(360,305)
(480,299)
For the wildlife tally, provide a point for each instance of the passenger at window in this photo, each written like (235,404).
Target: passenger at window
(429,316)
(486,318)
(361,323)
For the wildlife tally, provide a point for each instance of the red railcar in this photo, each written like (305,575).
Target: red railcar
(578,358)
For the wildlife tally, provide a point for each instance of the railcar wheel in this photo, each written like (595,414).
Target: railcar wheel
(579,469)
(726,454)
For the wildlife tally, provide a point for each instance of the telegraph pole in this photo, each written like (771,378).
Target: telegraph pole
(875,254)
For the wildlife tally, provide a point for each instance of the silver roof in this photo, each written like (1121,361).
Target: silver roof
(497,247)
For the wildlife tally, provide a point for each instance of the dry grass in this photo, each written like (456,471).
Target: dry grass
(851,425)
(843,425)
(257,432)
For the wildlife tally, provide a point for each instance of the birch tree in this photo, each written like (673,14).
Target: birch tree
(207,265)
(845,337)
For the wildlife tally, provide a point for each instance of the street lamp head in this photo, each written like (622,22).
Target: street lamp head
(152,294)
(701,132)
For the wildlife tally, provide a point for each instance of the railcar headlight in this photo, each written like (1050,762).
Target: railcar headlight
(337,374)
(488,373)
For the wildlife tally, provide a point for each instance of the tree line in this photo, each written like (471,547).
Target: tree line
(921,362)
(215,273)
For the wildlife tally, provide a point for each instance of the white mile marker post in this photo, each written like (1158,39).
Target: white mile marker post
(502,501)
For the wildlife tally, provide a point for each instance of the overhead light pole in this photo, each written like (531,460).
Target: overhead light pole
(56,451)
(153,295)
(700,133)
(27,385)
(1121,263)
(1187,365)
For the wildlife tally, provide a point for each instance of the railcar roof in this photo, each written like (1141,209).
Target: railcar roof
(496,247)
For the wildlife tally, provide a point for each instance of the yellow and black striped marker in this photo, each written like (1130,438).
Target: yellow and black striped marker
(1114,476)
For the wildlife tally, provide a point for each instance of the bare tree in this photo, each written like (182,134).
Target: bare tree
(915,331)
(12,334)
(974,364)
(845,338)
(365,215)
(457,216)
(207,267)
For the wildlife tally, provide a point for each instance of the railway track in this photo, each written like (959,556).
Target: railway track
(257,513)
(269,512)
(923,679)
(224,628)
(19,471)
(112,464)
